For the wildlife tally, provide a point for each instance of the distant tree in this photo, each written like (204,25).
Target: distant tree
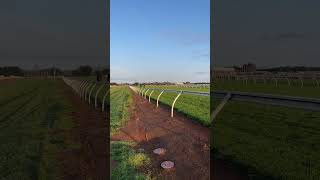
(82,71)
(11,71)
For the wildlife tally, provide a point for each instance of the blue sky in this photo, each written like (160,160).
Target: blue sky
(163,40)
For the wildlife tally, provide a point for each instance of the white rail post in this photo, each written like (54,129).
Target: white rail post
(174,102)
(276,81)
(96,97)
(142,92)
(82,84)
(85,93)
(145,94)
(91,92)
(78,86)
(83,89)
(159,98)
(220,107)
(150,95)
(301,82)
(104,98)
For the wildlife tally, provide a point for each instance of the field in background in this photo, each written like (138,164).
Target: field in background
(125,159)
(195,107)
(31,111)
(175,87)
(308,90)
(273,142)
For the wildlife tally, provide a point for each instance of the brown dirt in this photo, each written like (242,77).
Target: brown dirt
(91,161)
(186,142)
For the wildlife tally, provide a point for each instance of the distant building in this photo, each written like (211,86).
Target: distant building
(223,73)
(250,67)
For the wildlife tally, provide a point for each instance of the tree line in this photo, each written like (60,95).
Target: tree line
(290,69)
(85,70)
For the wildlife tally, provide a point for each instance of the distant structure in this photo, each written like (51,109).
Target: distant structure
(248,68)
(223,73)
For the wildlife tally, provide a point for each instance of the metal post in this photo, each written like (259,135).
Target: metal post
(96,97)
(159,98)
(91,92)
(150,95)
(174,102)
(104,98)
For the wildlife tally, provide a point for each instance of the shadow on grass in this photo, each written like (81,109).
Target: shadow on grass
(244,171)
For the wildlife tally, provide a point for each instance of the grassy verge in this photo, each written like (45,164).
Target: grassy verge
(126,162)
(272,142)
(121,99)
(30,111)
(309,89)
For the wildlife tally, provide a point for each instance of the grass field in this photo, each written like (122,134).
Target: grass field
(272,142)
(31,110)
(202,89)
(195,107)
(128,161)
(309,90)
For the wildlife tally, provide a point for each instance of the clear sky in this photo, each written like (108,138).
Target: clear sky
(163,40)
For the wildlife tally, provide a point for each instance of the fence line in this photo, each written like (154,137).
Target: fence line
(144,93)
(312,104)
(276,80)
(85,88)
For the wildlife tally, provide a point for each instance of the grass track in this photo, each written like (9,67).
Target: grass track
(308,90)
(128,161)
(273,142)
(30,111)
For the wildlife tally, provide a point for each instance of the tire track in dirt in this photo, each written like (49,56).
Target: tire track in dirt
(186,142)
(91,132)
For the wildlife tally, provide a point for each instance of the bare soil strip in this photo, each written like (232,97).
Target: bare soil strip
(186,142)
(91,132)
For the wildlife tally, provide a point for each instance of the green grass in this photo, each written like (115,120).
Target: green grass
(30,111)
(309,90)
(121,99)
(195,107)
(129,162)
(202,89)
(273,142)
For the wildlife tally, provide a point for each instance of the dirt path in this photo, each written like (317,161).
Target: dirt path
(91,161)
(186,142)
